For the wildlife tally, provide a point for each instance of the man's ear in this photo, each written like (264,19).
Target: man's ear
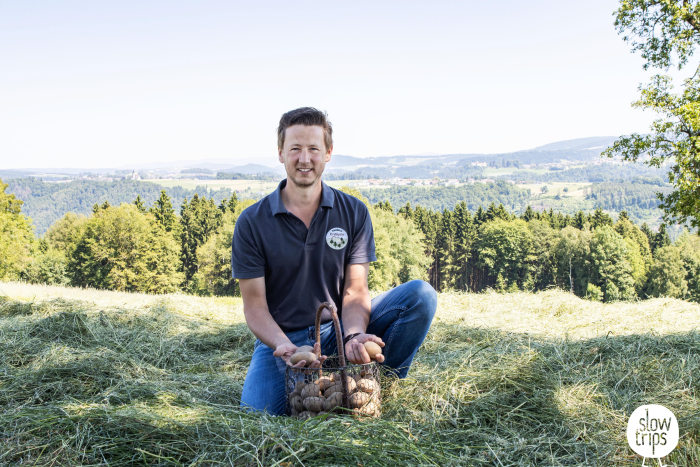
(328,154)
(279,151)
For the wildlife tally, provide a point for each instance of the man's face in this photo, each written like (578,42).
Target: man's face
(304,154)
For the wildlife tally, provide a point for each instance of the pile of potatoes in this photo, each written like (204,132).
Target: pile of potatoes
(325,395)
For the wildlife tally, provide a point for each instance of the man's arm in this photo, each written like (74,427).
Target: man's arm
(257,316)
(356,310)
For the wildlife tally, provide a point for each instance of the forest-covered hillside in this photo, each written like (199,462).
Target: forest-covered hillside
(46,202)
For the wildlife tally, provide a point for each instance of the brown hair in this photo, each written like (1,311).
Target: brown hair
(305,116)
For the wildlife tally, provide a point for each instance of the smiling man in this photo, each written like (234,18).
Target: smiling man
(307,243)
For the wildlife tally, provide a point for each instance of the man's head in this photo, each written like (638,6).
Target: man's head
(307,116)
(305,143)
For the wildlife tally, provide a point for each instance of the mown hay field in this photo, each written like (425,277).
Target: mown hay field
(105,378)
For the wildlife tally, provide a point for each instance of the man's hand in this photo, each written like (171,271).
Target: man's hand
(355,352)
(285,352)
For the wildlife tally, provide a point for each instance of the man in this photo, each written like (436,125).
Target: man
(305,244)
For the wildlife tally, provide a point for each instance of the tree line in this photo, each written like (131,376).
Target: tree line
(156,249)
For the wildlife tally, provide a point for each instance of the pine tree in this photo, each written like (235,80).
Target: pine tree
(163,212)
(660,239)
(650,235)
(138,202)
(406,211)
(479,217)
(600,219)
(579,220)
(464,240)
(446,252)
(199,219)
(528,215)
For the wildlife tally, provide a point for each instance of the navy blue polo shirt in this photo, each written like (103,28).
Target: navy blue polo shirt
(302,267)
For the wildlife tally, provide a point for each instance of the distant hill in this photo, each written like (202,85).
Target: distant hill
(255,169)
(601,142)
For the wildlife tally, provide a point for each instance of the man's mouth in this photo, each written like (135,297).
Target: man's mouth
(304,170)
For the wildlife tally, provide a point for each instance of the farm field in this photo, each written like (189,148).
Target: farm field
(575,189)
(93,377)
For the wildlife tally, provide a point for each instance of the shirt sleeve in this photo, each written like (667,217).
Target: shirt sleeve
(247,261)
(362,249)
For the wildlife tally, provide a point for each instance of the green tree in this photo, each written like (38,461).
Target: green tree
(63,235)
(445,252)
(689,246)
(660,239)
(542,264)
(666,33)
(123,249)
(572,254)
(213,276)
(138,202)
(667,274)
(163,212)
(8,202)
(398,246)
(47,266)
(199,219)
(504,248)
(464,238)
(17,240)
(611,268)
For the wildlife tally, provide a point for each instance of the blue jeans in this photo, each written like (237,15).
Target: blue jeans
(401,317)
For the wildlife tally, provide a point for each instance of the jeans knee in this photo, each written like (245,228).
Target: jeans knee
(425,297)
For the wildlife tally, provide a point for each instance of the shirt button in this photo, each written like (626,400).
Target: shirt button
(297,222)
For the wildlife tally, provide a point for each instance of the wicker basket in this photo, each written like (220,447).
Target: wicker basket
(335,387)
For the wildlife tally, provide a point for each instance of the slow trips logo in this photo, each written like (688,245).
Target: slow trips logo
(652,431)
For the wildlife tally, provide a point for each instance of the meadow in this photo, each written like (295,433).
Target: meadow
(92,377)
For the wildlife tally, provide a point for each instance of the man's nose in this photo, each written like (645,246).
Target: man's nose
(305,157)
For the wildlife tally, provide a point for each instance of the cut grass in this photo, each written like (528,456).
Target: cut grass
(104,378)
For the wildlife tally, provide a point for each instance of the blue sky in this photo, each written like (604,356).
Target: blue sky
(105,84)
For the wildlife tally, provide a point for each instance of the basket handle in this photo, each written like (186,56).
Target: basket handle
(339,341)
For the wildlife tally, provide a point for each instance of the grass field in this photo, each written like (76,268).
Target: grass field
(105,378)
(575,189)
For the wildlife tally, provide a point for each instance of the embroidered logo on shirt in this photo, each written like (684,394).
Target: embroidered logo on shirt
(337,238)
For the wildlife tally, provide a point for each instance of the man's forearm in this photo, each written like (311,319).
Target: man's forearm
(264,327)
(356,311)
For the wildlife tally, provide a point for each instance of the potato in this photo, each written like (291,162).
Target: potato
(373,349)
(298,388)
(333,389)
(370,409)
(357,377)
(314,404)
(305,348)
(333,402)
(338,387)
(299,356)
(305,414)
(296,403)
(311,390)
(368,385)
(324,383)
(357,400)
(334,377)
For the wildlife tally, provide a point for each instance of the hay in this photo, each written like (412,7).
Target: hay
(103,378)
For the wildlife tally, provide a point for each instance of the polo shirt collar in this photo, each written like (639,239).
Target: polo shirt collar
(277,206)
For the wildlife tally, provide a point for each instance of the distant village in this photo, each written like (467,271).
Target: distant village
(206,174)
